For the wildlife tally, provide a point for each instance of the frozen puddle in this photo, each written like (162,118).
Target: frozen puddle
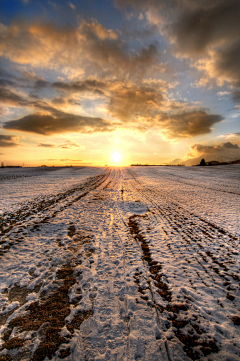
(115,267)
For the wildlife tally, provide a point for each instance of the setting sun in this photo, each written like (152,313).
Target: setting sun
(116,157)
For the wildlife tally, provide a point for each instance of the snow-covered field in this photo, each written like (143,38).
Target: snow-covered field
(24,184)
(137,263)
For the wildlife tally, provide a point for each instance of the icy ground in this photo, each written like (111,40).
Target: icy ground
(137,263)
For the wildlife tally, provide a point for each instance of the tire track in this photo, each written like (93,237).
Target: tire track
(193,237)
(40,212)
(182,222)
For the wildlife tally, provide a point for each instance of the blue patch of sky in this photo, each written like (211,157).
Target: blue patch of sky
(16,9)
(207,95)
(61,12)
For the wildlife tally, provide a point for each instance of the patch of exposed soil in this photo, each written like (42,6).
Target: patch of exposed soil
(47,317)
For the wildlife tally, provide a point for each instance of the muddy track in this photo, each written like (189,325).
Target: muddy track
(175,313)
(201,235)
(116,270)
(60,290)
(208,252)
(42,211)
(198,237)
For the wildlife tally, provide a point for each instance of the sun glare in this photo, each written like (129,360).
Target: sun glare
(116,157)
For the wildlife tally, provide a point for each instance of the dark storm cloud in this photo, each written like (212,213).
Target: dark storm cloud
(205,24)
(189,124)
(58,122)
(8,141)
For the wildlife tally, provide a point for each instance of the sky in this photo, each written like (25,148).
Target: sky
(101,82)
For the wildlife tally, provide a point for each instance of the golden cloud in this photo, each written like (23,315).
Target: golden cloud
(88,48)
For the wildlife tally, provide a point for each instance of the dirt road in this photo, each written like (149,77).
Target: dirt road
(114,269)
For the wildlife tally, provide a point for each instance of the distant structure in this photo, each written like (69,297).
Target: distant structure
(157,165)
(213,162)
(202,163)
(2,165)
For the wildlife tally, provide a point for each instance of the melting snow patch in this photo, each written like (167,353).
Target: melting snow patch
(10,307)
(137,208)
(32,297)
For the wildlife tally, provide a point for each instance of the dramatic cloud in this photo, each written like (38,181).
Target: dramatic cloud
(189,124)
(199,148)
(132,103)
(92,86)
(194,26)
(8,141)
(58,122)
(110,88)
(142,73)
(205,24)
(141,105)
(223,65)
(86,49)
(7,96)
(222,152)
(210,34)
(205,32)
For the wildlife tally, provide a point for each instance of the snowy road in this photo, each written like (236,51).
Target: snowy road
(130,264)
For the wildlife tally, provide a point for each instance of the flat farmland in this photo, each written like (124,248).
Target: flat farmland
(135,263)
